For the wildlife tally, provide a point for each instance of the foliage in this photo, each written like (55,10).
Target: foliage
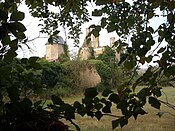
(63,58)
(105,73)
(92,53)
(57,78)
(108,56)
(112,75)
(130,21)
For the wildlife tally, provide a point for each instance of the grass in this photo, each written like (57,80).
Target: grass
(148,122)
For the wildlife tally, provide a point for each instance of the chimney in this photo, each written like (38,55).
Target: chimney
(112,40)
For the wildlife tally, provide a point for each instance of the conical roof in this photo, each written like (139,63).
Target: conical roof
(57,40)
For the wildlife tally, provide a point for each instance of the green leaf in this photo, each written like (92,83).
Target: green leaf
(10,55)
(98,115)
(69,111)
(154,102)
(98,106)
(162,49)
(123,106)
(101,2)
(111,28)
(139,110)
(170,17)
(81,110)
(150,14)
(171,5)
(3,15)
(115,123)
(90,113)
(14,44)
(156,91)
(91,92)
(123,122)
(143,93)
(106,92)
(26,104)
(150,29)
(50,40)
(103,100)
(20,35)
(142,60)
(38,90)
(103,22)
(150,42)
(123,58)
(36,66)
(24,60)
(97,13)
(95,32)
(13,94)
(129,64)
(149,59)
(37,103)
(77,104)
(17,16)
(106,109)
(114,98)
(135,115)
(33,60)
(17,26)
(57,100)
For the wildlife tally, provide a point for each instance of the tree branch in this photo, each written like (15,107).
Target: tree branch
(106,114)
(168,104)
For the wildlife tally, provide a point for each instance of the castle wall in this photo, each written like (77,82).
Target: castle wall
(95,42)
(85,53)
(98,51)
(53,51)
(112,40)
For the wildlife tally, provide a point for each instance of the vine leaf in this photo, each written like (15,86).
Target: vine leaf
(106,92)
(154,102)
(98,115)
(56,100)
(17,16)
(91,92)
(115,123)
(114,98)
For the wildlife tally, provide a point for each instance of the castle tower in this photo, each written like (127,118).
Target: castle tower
(95,42)
(54,50)
(87,31)
(112,40)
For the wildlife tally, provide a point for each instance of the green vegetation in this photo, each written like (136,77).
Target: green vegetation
(139,41)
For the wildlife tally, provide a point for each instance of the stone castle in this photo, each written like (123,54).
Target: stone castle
(54,50)
(92,42)
(89,76)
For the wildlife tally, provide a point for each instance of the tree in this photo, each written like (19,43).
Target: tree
(130,21)
(108,55)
